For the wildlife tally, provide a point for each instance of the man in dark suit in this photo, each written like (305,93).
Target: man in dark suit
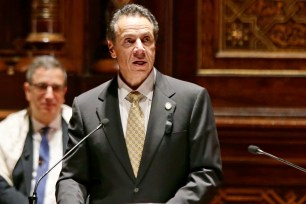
(20,135)
(173,156)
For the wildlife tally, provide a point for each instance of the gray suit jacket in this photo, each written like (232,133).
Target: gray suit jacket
(181,160)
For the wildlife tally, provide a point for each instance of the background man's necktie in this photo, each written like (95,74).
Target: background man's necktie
(135,132)
(43,164)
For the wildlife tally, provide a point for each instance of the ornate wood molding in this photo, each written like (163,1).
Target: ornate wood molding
(238,117)
(251,38)
(260,195)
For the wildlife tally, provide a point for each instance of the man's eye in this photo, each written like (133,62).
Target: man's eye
(56,87)
(146,40)
(129,41)
(41,86)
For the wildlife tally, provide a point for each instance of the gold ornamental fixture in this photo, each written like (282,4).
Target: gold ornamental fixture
(45,24)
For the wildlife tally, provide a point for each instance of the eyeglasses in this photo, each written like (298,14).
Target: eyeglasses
(42,87)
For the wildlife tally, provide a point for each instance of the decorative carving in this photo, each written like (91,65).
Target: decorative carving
(260,196)
(237,35)
(263,26)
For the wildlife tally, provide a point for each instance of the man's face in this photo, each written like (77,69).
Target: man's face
(46,94)
(134,49)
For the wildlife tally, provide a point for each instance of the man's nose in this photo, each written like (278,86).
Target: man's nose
(49,92)
(139,49)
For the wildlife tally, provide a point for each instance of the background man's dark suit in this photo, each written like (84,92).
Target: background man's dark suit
(172,165)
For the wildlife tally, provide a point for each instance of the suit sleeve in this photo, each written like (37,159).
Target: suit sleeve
(73,175)
(9,195)
(205,172)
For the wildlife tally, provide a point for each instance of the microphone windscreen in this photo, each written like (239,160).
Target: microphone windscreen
(253,149)
(105,121)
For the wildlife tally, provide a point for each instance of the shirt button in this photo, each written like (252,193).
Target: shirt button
(136,190)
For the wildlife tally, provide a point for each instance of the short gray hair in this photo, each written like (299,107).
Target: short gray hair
(45,62)
(131,10)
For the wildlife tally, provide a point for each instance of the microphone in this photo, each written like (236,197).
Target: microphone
(169,124)
(33,199)
(256,150)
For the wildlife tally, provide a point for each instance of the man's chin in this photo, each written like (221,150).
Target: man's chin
(49,109)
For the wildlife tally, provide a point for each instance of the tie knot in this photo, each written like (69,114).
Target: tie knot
(135,97)
(44,131)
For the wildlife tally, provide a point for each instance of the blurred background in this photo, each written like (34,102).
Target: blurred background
(249,54)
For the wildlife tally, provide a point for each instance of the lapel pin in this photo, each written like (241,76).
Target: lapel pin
(168,106)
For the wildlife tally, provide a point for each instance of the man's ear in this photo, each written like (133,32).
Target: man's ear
(26,88)
(112,52)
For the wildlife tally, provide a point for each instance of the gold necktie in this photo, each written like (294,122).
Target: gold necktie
(135,132)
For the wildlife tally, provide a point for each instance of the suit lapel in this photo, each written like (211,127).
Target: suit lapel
(25,164)
(114,133)
(27,159)
(159,115)
(65,134)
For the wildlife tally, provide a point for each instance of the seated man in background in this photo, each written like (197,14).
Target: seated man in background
(34,139)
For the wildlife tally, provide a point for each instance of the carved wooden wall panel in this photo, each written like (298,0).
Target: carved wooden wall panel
(269,35)
(236,46)
(259,196)
(251,56)
(250,178)
(263,28)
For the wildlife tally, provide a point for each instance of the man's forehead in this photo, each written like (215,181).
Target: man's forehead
(133,22)
(55,71)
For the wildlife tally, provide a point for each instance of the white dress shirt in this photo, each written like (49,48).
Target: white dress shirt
(55,139)
(146,89)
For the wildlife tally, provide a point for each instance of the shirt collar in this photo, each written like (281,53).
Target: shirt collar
(55,124)
(146,88)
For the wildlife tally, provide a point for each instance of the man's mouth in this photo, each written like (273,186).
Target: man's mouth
(48,105)
(139,62)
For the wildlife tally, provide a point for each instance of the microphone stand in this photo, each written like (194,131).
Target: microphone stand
(256,150)
(33,199)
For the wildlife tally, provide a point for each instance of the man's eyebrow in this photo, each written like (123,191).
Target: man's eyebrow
(134,35)
(128,35)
